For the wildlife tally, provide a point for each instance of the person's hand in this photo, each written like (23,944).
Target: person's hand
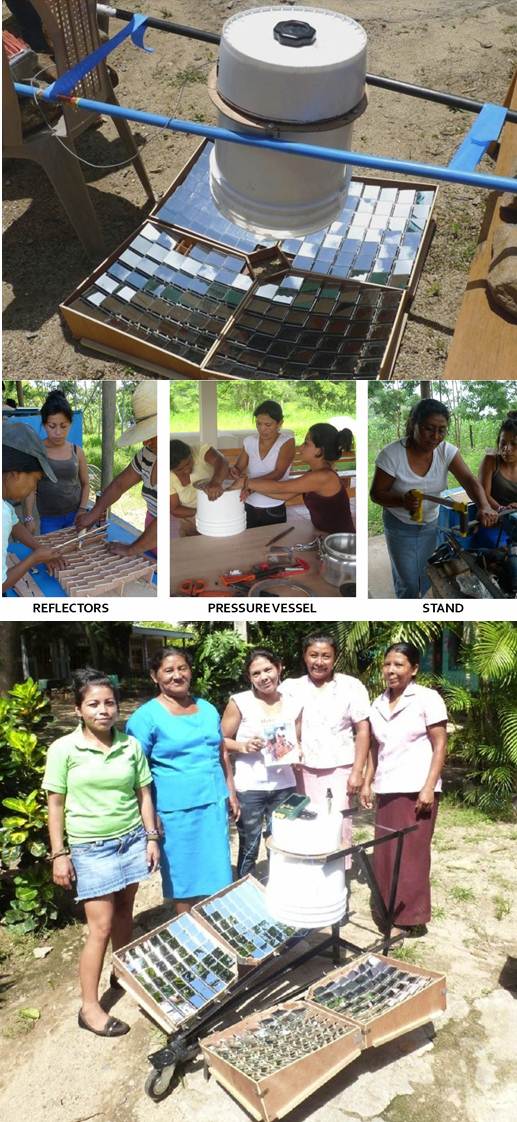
(410,502)
(424,801)
(63,872)
(153,855)
(366,796)
(487,516)
(45,554)
(121,549)
(84,519)
(56,564)
(355,781)
(235,807)
(254,744)
(213,491)
(235,472)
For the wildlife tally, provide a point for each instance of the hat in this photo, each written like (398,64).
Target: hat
(145,416)
(24,439)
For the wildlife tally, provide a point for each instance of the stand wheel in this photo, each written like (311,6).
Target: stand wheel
(158,1083)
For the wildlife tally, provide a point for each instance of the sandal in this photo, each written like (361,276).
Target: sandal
(113,1026)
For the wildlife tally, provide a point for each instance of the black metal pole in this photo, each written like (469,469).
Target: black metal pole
(454,101)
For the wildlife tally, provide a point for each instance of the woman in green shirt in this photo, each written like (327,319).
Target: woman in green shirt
(99,795)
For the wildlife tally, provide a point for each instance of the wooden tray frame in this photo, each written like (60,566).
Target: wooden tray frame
(277,1094)
(244,963)
(140,995)
(409,1014)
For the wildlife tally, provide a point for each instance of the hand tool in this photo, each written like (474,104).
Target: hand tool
(461,506)
(283,534)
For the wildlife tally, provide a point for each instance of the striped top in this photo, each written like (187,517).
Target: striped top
(143,463)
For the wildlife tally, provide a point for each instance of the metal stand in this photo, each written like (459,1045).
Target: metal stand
(183,1047)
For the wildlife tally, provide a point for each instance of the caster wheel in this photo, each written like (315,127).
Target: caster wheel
(158,1083)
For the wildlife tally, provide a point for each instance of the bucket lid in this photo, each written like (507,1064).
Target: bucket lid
(316,59)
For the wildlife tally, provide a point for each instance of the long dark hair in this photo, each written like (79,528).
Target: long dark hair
(411,652)
(55,402)
(272,409)
(329,441)
(84,680)
(178,451)
(425,408)
(164,652)
(509,425)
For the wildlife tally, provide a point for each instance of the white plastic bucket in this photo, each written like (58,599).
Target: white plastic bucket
(220,518)
(308,94)
(306,893)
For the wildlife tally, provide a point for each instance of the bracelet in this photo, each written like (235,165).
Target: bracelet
(152,835)
(60,853)
(82,508)
(28,518)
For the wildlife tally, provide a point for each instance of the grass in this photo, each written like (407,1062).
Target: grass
(189,75)
(502,907)
(460,894)
(406,952)
(298,418)
(439,912)
(131,505)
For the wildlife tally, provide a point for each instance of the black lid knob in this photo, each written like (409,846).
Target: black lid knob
(294,33)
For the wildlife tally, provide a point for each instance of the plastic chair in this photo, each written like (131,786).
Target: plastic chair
(54,152)
(72,30)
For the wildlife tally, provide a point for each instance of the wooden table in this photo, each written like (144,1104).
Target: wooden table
(208,558)
(485,336)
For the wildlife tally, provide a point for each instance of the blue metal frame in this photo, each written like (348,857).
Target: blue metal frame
(449,174)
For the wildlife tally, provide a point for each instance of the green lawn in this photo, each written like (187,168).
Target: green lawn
(298,418)
(381,433)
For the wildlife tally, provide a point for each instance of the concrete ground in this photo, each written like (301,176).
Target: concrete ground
(461,1069)
(380,584)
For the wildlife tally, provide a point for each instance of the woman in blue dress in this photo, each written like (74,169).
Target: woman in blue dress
(181,737)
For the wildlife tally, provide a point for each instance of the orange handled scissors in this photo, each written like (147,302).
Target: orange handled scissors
(192,587)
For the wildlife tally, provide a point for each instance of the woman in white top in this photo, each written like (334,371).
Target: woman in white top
(268,455)
(335,733)
(251,724)
(419,462)
(409,727)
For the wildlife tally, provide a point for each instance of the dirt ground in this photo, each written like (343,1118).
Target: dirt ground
(467,47)
(463,1070)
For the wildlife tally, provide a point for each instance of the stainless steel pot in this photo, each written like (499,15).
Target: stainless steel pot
(337,559)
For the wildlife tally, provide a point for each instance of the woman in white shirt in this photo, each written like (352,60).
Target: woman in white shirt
(419,462)
(268,455)
(409,727)
(251,723)
(335,732)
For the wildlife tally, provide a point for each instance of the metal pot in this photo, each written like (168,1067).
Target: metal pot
(337,559)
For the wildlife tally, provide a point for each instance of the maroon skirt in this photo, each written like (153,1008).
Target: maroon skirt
(413,899)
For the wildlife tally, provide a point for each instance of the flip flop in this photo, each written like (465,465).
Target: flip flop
(113,1026)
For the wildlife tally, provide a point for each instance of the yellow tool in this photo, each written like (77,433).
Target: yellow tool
(453,504)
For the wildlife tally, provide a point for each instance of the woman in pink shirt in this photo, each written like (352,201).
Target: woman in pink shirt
(409,742)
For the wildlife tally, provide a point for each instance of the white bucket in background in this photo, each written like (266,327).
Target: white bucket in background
(220,518)
(308,94)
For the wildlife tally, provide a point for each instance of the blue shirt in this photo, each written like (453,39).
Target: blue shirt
(183,754)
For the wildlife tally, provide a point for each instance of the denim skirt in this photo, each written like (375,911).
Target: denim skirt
(106,866)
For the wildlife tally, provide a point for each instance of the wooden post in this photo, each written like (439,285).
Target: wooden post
(109,389)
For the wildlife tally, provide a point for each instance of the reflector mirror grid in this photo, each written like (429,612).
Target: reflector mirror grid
(178,301)
(376,236)
(308,327)
(181,967)
(240,916)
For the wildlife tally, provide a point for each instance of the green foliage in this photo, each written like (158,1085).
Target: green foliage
(303,403)
(22,755)
(218,663)
(484,734)
(28,897)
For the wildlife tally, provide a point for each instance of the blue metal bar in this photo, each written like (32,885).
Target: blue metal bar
(316,152)
(485,129)
(69,80)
